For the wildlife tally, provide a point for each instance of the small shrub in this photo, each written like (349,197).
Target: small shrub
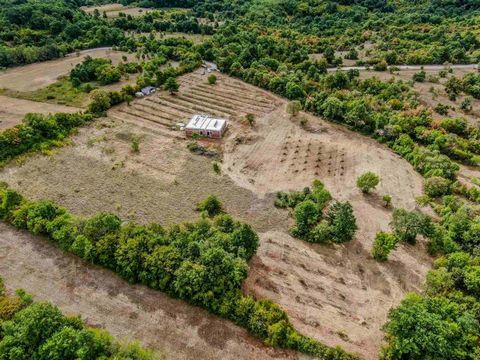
(441,109)
(294,107)
(420,76)
(211,205)
(135,145)
(382,246)
(212,79)
(387,200)
(216,168)
(250,119)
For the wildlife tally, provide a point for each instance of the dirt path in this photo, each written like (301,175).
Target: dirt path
(129,312)
(413,67)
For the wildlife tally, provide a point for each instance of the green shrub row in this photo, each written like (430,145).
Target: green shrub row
(203,263)
(40,331)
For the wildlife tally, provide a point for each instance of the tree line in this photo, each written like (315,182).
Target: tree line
(203,262)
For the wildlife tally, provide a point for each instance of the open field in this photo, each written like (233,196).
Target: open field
(36,76)
(13,110)
(113,10)
(337,294)
(172,327)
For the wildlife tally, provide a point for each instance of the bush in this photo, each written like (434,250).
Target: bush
(212,79)
(420,76)
(436,186)
(367,181)
(382,246)
(211,205)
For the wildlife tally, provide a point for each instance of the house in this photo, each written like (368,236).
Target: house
(148,90)
(205,125)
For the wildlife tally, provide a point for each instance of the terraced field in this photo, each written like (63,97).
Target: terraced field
(228,98)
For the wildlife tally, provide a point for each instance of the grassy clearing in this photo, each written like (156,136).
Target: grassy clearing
(62,92)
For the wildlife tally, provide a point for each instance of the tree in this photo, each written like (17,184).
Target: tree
(211,205)
(212,79)
(306,216)
(171,85)
(294,107)
(343,221)
(407,225)
(382,246)
(419,322)
(367,181)
(100,102)
(329,54)
(436,186)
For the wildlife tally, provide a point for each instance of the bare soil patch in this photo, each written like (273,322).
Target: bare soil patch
(336,294)
(114,10)
(130,312)
(36,76)
(12,110)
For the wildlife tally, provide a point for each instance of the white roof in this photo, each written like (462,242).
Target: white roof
(205,122)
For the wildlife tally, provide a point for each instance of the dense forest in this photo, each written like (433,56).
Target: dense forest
(271,44)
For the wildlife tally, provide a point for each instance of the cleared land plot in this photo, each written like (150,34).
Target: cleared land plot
(438,96)
(229,98)
(172,327)
(13,110)
(336,294)
(113,10)
(36,76)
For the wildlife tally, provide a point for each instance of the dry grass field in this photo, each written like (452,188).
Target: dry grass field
(39,75)
(13,110)
(113,10)
(337,294)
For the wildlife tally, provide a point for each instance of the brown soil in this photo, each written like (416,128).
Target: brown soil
(13,110)
(38,75)
(130,312)
(114,10)
(336,294)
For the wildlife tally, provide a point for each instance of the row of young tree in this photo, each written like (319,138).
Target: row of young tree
(203,262)
(39,330)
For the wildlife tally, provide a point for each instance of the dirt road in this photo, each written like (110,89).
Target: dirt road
(413,67)
(129,312)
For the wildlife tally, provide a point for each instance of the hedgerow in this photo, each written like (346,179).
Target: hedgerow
(39,330)
(203,262)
